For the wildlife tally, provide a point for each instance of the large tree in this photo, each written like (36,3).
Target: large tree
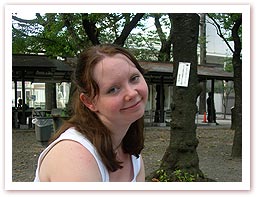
(233,24)
(181,159)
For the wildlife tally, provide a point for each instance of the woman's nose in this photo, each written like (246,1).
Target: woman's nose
(130,93)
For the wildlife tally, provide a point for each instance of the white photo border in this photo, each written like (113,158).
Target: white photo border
(136,8)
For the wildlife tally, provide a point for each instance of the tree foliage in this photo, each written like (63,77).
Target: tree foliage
(66,34)
(49,34)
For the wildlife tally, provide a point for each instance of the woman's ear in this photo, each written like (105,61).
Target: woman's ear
(88,102)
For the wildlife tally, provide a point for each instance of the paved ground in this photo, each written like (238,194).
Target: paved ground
(215,143)
(214,150)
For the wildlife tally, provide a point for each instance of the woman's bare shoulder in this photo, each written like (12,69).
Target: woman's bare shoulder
(68,160)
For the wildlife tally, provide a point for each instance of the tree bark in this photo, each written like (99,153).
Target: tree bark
(50,95)
(164,56)
(202,98)
(165,49)
(181,155)
(237,65)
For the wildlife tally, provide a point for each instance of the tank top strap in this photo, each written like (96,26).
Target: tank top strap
(136,166)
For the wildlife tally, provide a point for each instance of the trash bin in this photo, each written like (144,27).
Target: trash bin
(43,128)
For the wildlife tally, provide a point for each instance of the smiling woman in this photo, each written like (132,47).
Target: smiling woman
(103,139)
(122,90)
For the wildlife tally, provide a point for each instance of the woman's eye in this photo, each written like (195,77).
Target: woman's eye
(113,90)
(135,78)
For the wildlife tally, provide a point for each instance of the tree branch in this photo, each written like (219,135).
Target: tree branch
(217,26)
(24,20)
(90,29)
(127,29)
(236,38)
(66,19)
(161,34)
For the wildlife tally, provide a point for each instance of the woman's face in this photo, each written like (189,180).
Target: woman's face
(123,91)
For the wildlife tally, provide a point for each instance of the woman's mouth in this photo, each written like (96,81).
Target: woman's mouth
(134,106)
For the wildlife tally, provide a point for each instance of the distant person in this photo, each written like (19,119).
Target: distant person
(20,105)
(211,109)
(103,139)
(20,118)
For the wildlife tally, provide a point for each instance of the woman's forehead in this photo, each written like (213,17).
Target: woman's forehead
(111,67)
(115,62)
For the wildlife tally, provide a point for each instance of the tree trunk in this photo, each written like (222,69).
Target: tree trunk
(50,95)
(181,158)
(165,49)
(164,56)
(237,64)
(202,98)
(237,143)
(160,99)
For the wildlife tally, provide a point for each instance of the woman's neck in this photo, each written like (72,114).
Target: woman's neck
(118,131)
(117,136)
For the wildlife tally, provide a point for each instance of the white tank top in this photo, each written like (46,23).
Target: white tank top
(72,134)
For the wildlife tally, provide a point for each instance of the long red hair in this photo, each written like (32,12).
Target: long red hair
(87,122)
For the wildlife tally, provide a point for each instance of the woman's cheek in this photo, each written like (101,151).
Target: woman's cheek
(113,105)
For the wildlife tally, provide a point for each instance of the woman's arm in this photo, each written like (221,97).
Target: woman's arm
(69,161)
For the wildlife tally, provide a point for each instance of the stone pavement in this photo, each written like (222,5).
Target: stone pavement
(222,122)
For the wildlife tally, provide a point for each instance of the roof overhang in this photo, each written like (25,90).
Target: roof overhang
(155,71)
(40,68)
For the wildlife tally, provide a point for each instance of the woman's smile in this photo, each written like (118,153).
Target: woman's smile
(133,107)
